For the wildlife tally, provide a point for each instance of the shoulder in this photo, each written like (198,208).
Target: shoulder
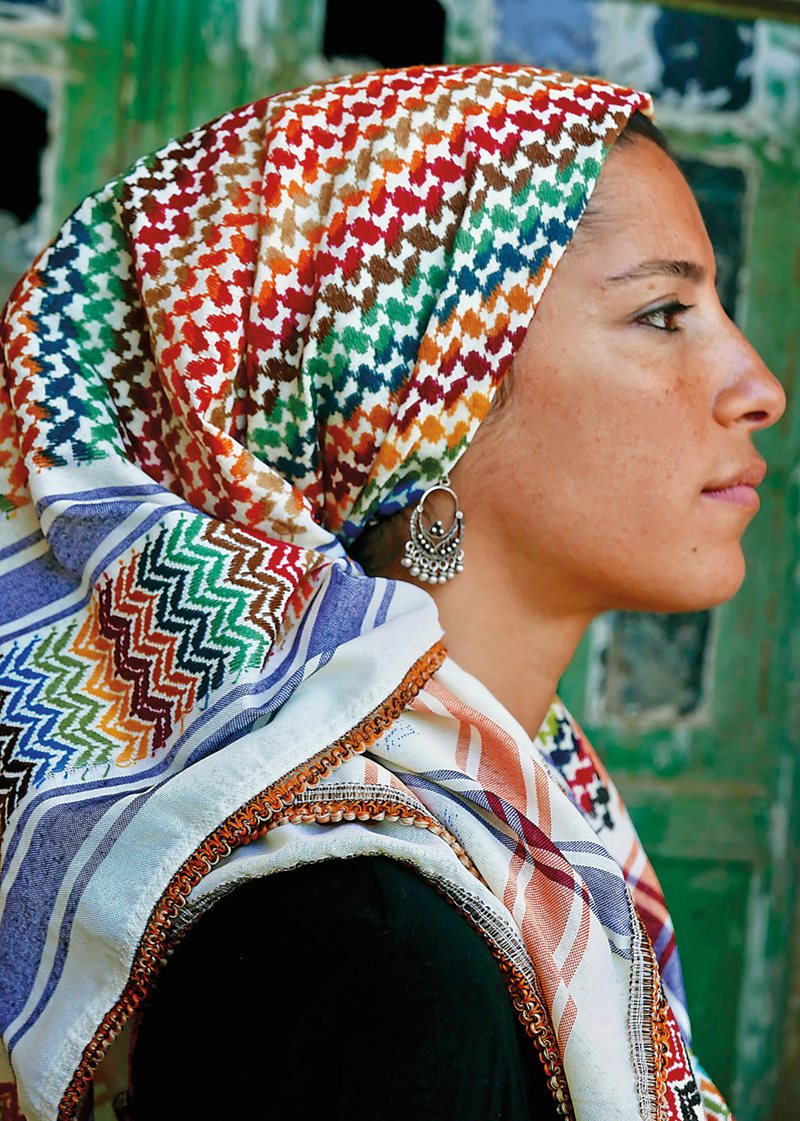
(356,975)
(351,909)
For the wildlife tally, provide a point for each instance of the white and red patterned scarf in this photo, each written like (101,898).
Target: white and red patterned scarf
(532,842)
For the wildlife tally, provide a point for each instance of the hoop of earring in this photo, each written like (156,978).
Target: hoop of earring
(433,554)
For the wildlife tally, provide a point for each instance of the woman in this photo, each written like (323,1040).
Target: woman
(268,345)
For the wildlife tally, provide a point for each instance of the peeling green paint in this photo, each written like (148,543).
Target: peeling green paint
(711,781)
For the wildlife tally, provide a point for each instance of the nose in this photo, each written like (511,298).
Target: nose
(752,396)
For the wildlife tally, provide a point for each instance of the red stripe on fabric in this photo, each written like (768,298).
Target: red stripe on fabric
(575,955)
(516,863)
(500,767)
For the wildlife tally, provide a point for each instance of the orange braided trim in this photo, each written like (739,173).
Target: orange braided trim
(367,809)
(659,1032)
(531,1013)
(657,1046)
(535,1020)
(245,823)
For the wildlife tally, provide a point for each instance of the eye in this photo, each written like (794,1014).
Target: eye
(663,318)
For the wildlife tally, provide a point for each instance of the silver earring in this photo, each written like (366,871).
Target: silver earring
(434,554)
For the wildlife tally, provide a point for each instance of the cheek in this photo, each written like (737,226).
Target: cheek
(622,452)
(614,419)
(597,478)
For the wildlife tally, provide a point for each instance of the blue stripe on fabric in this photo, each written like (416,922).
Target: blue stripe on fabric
(23,930)
(100,493)
(434,778)
(587,846)
(79,530)
(56,574)
(18,546)
(671,970)
(47,887)
(510,843)
(241,723)
(383,610)
(609,897)
(158,513)
(277,684)
(85,875)
(664,936)
(353,595)
(462,801)
(23,710)
(33,586)
(319,646)
(122,782)
(335,547)
(477,796)
(672,976)
(596,880)
(44,878)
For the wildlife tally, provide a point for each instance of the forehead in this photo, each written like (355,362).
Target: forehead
(642,208)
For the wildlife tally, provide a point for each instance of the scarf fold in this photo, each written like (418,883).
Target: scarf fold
(230,359)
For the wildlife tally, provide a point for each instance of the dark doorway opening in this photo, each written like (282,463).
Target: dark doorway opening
(24,136)
(412,35)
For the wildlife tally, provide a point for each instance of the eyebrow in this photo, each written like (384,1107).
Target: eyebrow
(685,270)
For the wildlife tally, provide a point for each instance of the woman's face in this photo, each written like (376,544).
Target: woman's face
(620,472)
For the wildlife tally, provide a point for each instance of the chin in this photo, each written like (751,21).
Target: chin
(710,590)
(709,586)
(725,580)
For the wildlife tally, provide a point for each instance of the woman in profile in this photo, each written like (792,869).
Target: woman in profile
(328,430)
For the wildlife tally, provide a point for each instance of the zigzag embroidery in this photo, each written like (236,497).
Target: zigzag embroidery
(38,743)
(128,736)
(49,722)
(145,656)
(271,571)
(15,774)
(182,600)
(167,593)
(65,689)
(200,604)
(225,605)
(144,703)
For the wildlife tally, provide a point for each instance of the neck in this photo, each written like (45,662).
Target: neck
(518,651)
(510,620)
(517,645)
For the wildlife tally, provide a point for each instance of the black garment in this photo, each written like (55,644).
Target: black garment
(345,990)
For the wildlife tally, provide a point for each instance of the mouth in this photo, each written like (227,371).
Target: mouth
(739,489)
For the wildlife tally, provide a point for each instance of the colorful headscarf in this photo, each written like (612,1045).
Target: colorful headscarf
(229,360)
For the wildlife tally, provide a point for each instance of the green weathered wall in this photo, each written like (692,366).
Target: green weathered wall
(698,720)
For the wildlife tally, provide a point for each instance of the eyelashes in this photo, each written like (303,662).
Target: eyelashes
(662,318)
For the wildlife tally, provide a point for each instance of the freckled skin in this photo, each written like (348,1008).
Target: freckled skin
(584,493)
(594,473)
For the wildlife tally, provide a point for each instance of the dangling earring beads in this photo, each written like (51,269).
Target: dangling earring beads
(434,554)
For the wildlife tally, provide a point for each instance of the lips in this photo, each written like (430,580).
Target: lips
(752,476)
(739,489)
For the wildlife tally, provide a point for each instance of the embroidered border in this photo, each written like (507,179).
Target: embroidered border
(248,822)
(648,1028)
